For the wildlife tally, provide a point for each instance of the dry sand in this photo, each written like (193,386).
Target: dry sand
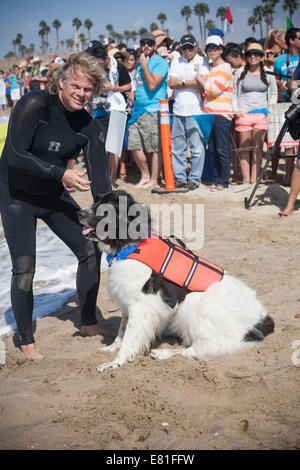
(246,400)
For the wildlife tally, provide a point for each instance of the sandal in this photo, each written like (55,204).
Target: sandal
(281,215)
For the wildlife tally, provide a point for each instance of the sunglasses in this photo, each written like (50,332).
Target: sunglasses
(255,54)
(274,54)
(212,48)
(188,47)
(147,43)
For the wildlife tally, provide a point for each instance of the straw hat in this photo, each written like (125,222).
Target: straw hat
(160,37)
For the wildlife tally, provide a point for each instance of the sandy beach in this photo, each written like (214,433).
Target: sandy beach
(246,400)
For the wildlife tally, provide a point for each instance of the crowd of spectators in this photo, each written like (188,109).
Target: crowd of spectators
(237,83)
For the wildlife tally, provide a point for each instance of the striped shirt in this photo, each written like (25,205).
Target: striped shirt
(219,90)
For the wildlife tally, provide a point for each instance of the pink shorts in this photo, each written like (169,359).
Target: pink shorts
(247,122)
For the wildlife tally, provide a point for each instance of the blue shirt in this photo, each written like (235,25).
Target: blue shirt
(144,97)
(280,66)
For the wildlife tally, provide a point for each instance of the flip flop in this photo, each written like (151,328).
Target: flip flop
(281,215)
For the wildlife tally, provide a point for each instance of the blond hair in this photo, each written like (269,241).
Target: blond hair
(84,62)
(270,39)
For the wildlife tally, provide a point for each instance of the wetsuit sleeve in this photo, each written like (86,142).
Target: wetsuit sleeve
(96,161)
(21,131)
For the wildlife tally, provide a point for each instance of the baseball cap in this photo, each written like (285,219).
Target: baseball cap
(93,45)
(188,39)
(216,32)
(216,40)
(148,36)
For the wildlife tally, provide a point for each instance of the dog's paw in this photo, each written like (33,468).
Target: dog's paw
(107,365)
(111,348)
(161,353)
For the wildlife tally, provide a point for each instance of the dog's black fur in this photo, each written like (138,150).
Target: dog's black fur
(88,218)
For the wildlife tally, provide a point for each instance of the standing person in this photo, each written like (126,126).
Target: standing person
(295,182)
(47,130)
(188,102)
(144,133)
(253,91)
(14,85)
(218,100)
(116,83)
(8,90)
(286,65)
(2,92)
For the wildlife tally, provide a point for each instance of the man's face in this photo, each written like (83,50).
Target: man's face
(76,91)
(296,42)
(189,51)
(148,47)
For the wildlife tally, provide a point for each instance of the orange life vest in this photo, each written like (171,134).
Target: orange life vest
(176,264)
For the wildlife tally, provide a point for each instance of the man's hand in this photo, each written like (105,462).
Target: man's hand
(108,86)
(144,59)
(73,179)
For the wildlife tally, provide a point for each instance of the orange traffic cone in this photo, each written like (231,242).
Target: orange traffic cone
(166,144)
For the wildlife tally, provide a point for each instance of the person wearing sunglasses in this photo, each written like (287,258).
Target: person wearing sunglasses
(253,91)
(188,102)
(286,65)
(218,101)
(144,130)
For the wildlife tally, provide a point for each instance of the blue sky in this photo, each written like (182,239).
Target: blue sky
(23,16)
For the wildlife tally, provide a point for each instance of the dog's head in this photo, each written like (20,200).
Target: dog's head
(115,221)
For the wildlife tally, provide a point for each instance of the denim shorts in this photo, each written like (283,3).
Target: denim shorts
(144,133)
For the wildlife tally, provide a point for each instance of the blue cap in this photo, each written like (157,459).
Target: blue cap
(216,32)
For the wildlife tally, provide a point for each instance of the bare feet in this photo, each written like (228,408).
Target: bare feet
(282,215)
(142,182)
(30,351)
(94,330)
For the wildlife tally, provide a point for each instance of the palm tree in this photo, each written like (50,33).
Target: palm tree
(221,13)
(252,22)
(19,41)
(153,26)
(101,37)
(14,43)
(22,49)
(31,49)
(258,13)
(109,28)
(141,32)
(62,43)
(291,6)
(162,19)
(76,23)
(200,10)
(269,12)
(56,25)
(82,39)
(210,24)
(88,25)
(133,35)
(186,13)
(189,28)
(70,43)
(127,35)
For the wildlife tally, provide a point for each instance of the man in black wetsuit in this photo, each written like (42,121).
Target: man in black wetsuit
(46,132)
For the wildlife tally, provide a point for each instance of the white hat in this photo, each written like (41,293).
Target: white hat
(216,40)
(59,60)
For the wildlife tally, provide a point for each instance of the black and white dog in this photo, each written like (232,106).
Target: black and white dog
(224,318)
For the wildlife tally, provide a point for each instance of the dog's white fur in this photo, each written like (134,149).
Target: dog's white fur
(209,323)
(214,322)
